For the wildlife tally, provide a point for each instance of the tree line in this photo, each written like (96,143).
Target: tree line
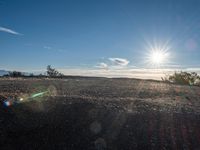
(50,72)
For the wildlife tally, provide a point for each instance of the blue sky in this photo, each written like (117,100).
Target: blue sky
(97,35)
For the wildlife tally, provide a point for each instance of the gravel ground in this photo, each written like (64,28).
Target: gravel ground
(99,113)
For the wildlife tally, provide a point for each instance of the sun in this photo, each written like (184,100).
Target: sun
(157,57)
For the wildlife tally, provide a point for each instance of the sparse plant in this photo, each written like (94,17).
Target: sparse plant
(185,78)
(51,72)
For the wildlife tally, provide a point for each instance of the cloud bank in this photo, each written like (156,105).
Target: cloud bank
(115,73)
(7,30)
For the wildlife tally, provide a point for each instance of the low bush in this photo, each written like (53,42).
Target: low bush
(185,78)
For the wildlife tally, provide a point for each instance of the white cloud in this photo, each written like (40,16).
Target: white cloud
(53,49)
(119,61)
(102,66)
(2,29)
(47,47)
(193,69)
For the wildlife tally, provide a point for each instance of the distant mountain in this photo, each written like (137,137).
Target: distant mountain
(3,72)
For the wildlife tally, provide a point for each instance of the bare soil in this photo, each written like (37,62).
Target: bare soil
(99,113)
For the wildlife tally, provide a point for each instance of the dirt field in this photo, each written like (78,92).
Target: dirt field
(98,113)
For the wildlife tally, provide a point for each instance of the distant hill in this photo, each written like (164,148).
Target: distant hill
(3,72)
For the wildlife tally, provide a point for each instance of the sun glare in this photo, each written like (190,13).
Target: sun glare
(157,56)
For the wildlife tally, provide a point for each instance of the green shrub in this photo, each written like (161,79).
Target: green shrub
(185,78)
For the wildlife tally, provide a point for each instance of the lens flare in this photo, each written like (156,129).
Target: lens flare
(38,94)
(22,98)
(7,103)
(13,101)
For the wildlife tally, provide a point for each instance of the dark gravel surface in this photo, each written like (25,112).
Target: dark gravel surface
(100,114)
